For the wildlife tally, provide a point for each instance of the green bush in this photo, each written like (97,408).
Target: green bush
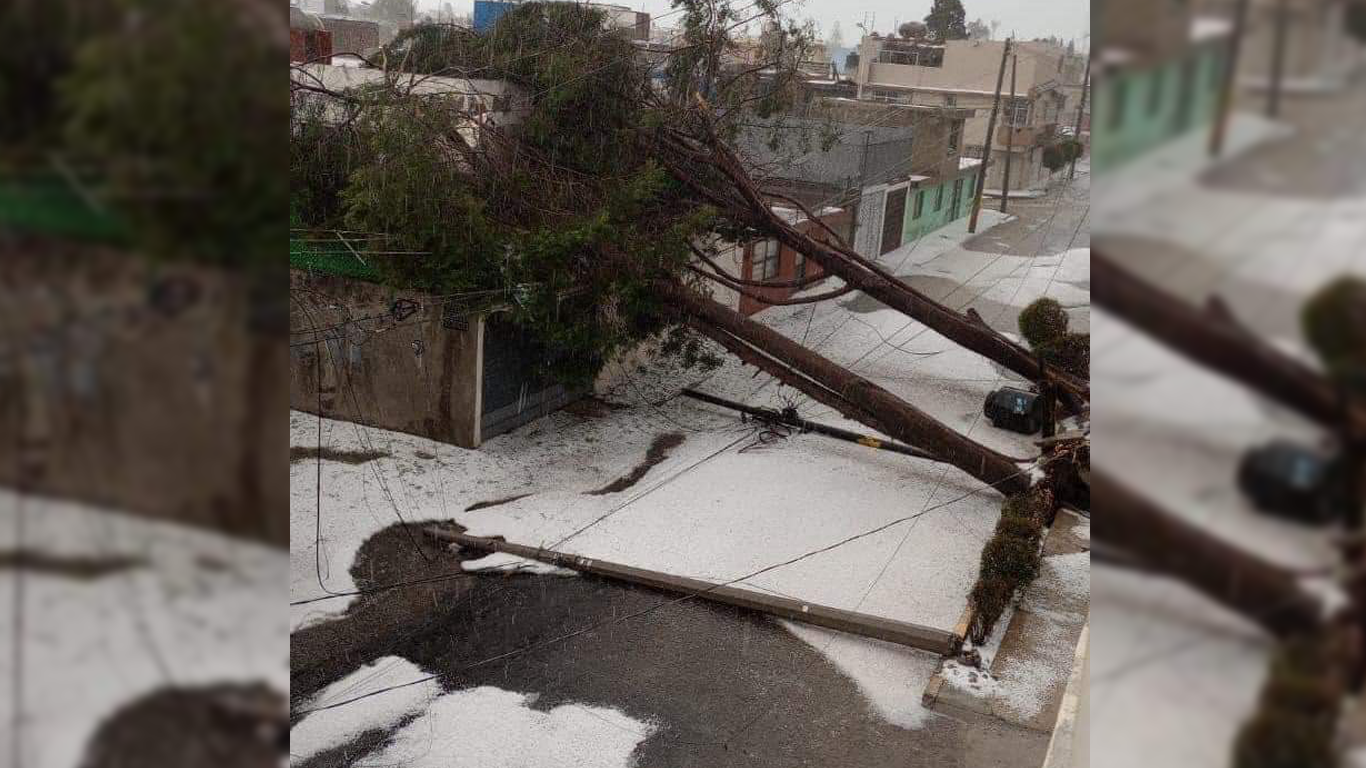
(990,598)
(1070,353)
(1334,322)
(1296,721)
(1022,528)
(1279,738)
(1011,558)
(1356,20)
(1043,321)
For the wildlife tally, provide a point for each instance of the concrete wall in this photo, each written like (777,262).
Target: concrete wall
(1154,30)
(411,375)
(968,80)
(123,400)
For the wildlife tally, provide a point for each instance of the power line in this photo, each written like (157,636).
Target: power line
(664,604)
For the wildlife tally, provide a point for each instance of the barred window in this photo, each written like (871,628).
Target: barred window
(765,259)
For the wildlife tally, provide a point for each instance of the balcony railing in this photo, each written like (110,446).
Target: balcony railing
(1026,135)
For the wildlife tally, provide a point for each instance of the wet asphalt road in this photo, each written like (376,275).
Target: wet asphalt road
(726,687)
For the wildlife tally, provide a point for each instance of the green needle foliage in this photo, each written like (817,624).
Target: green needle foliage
(566,216)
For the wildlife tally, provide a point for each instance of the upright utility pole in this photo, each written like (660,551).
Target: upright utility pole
(1010,135)
(1216,141)
(986,147)
(858,199)
(1081,112)
(1273,102)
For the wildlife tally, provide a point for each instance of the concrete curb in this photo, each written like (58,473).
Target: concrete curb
(1070,744)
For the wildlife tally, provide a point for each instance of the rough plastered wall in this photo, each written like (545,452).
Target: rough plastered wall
(355,357)
(146,390)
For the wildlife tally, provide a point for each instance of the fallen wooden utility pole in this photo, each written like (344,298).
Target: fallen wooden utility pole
(779,417)
(1216,341)
(1260,591)
(899,632)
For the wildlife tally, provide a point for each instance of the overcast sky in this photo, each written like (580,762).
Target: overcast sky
(1026,18)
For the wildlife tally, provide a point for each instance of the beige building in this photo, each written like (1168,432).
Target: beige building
(1319,53)
(962,74)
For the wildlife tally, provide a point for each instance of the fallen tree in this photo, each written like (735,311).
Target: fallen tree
(852,395)
(1263,593)
(1214,339)
(590,226)
(704,162)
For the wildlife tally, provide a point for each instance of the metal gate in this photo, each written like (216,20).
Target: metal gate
(516,388)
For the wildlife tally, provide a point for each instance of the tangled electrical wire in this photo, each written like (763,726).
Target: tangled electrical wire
(773,432)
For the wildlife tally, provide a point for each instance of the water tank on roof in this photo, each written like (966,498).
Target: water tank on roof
(488,12)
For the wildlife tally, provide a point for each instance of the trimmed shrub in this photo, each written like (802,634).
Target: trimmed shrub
(1013,559)
(1042,322)
(1071,353)
(1295,724)
(1356,20)
(1010,559)
(1281,739)
(1334,322)
(989,597)
(1022,528)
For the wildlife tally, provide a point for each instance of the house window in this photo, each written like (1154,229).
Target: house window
(919,204)
(955,136)
(801,266)
(765,259)
(1155,95)
(950,99)
(1017,112)
(890,95)
(939,197)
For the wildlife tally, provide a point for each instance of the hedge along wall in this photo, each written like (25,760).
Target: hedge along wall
(1149,103)
(931,219)
(45,203)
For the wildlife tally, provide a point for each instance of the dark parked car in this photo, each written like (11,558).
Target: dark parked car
(1015,410)
(1296,482)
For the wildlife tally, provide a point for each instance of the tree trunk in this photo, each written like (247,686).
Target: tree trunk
(745,203)
(1263,593)
(1213,339)
(852,395)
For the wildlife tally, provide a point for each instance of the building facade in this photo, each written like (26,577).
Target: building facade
(309,40)
(1151,87)
(426,365)
(962,74)
(1320,55)
(870,159)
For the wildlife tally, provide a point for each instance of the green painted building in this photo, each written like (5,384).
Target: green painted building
(930,207)
(1141,103)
